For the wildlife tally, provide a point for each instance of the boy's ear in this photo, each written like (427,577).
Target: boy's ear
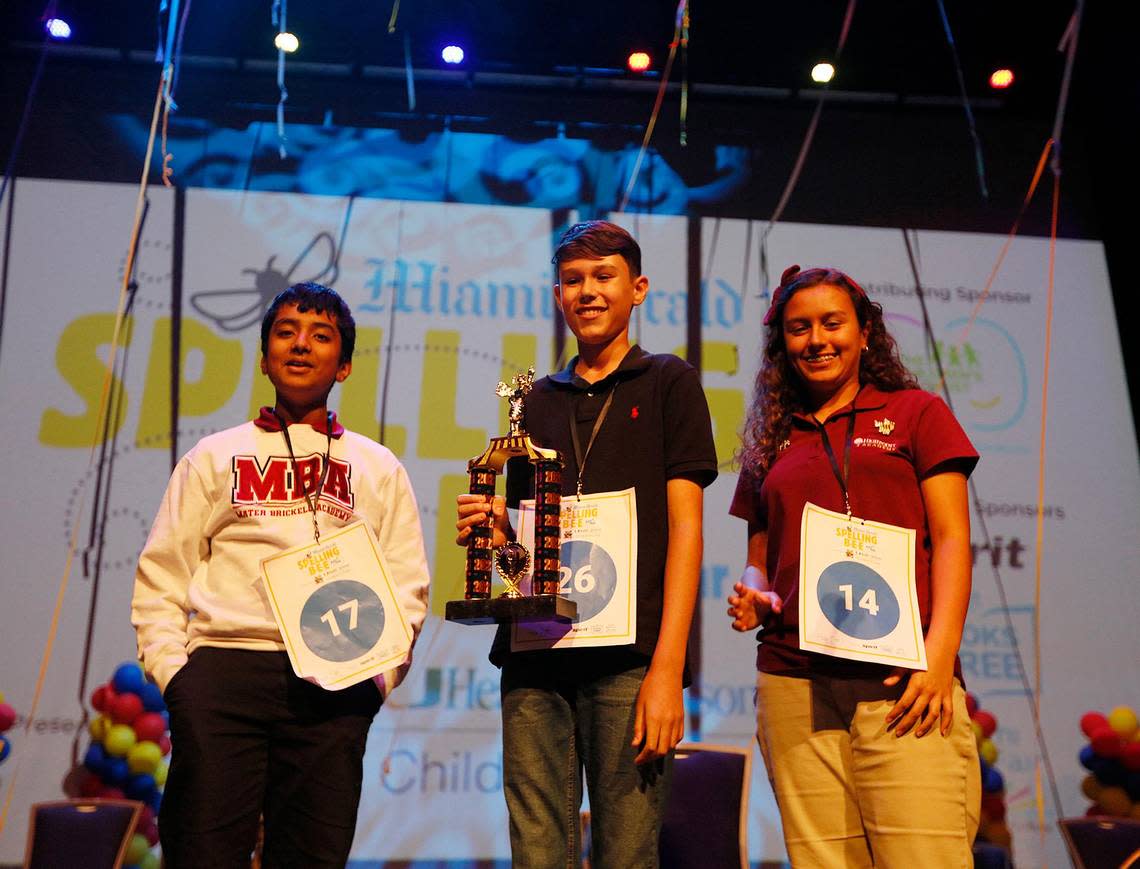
(264,366)
(640,289)
(343,371)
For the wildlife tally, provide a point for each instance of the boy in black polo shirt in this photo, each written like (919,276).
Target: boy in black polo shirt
(642,422)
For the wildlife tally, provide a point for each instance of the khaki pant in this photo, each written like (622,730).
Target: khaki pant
(851,794)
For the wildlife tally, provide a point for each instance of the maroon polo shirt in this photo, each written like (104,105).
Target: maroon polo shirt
(899,439)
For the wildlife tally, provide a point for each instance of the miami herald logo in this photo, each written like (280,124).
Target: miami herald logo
(275,484)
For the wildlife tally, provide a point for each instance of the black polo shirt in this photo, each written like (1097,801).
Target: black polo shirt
(657,428)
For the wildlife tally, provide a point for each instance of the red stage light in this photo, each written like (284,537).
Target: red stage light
(638,61)
(1001,79)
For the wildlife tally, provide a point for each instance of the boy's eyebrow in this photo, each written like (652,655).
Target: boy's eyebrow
(293,321)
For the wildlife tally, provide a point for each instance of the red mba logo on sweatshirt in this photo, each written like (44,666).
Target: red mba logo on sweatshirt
(276,484)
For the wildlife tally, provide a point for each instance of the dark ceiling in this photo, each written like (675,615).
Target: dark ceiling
(894,46)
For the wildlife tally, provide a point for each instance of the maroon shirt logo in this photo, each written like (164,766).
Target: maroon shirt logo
(276,483)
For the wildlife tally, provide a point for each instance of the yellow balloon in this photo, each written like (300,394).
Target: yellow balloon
(136,850)
(1091,788)
(2,697)
(978,734)
(1115,801)
(1123,720)
(150,861)
(98,727)
(144,757)
(988,751)
(119,740)
(160,772)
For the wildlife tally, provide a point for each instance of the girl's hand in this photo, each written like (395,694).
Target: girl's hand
(750,606)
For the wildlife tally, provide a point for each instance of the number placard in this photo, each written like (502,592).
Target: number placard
(858,597)
(598,572)
(336,607)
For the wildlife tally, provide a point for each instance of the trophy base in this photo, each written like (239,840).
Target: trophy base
(528,608)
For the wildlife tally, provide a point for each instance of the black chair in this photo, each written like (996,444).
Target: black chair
(92,833)
(1102,842)
(706,819)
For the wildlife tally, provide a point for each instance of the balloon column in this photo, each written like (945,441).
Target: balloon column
(7,719)
(993,827)
(129,741)
(1112,758)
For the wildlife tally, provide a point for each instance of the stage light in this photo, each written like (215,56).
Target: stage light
(57,28)
(1001,79)
(822,72)
(287,42)
(452,54)
(638,61)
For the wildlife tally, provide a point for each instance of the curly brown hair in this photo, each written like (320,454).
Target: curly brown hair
(778,393)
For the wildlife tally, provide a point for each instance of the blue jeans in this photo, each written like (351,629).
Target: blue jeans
(557,721)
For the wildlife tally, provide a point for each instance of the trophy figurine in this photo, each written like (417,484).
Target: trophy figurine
(513,560)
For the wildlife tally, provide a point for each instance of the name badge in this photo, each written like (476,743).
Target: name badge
(336,607)
(858,596)
(599,572)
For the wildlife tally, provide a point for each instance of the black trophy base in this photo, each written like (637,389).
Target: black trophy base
(528,608)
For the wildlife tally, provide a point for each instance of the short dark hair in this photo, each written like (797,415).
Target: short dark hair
(315,297)
(595,239)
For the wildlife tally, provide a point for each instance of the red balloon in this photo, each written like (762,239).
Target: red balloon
(993,806)
(151,833)
(1094,811)
(1091,722)
(7,716)
(149,726)
(90,786)
(971,704)
(164,744)
(125,708)
(146,816)
(1106,742)
(1130,756)
(986,721)
(111,793)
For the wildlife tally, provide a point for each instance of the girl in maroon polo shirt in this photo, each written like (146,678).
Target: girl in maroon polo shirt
(870,766)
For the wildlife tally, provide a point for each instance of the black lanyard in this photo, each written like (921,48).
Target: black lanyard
(297,474)
(841,477)
(578,454)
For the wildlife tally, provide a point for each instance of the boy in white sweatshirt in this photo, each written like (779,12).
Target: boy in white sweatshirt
(249,737)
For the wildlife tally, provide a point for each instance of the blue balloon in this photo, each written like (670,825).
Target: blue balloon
(155,801)
(1111,772)
(128,678)
(152,698)
(116,771)
(140,787)
(5,748)
(96,760)
(1132,785)
(1088,758)
(992,782)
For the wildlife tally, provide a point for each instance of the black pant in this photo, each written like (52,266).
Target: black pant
(250,739)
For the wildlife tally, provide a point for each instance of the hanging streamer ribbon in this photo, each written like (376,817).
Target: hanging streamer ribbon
(685,76)
(979,161)
(645,140)
(392,20)
(279,13)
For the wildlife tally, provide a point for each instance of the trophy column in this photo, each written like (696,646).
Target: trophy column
(547,525)
(478,581)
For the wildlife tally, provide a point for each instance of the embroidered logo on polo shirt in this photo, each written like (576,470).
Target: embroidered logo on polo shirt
(885,446)
(633,414)
(885,426)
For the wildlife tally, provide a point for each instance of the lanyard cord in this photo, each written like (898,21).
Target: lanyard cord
(296,471)
(841,477)
(578,454)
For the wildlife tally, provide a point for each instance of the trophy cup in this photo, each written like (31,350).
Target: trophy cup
(512,559)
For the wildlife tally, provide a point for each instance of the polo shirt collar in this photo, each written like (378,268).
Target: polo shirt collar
(869,397)
(635,361)
(267,421)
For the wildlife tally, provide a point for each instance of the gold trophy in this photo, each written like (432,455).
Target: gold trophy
(512,559)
